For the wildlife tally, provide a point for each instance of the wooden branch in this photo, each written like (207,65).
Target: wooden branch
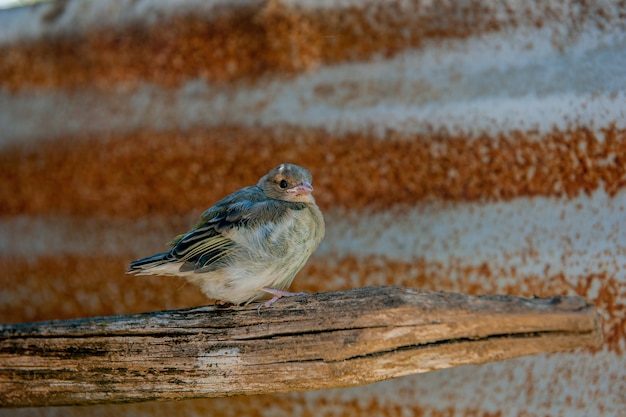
(326,340)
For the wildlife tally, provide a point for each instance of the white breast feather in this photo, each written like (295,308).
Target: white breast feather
(278,255)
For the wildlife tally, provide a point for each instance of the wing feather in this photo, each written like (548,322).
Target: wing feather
(209,243)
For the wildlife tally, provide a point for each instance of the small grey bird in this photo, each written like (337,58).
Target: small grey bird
(250,243)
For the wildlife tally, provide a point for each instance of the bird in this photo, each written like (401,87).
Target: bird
(250,244)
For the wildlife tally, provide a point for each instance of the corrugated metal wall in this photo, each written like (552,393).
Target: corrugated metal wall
(474,146)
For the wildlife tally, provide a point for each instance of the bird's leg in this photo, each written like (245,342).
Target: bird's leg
(278,294)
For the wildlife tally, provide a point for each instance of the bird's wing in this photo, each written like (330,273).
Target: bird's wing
(210,242)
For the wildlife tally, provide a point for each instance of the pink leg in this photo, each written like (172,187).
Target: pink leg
(278,294)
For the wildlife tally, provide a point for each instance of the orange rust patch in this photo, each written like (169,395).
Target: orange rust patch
(74,286)
(173,173)
(245,42)
(65,287)
(293,404)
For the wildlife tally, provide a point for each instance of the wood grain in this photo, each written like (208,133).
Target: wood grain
(326,340)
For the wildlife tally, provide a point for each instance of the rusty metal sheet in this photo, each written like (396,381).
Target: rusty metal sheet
(471,146)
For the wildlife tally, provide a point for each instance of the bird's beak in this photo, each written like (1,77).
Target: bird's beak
(302,189)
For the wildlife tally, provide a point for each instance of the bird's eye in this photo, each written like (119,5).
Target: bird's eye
(283,184)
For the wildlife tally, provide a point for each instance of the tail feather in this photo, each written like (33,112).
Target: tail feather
(149,262)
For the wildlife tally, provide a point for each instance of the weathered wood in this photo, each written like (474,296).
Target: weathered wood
(326,340)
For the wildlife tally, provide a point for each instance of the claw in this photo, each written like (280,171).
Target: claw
(277,295)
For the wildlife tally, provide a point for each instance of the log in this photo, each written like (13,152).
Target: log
(312,342)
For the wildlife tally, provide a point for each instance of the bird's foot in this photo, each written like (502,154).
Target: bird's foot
(277,295)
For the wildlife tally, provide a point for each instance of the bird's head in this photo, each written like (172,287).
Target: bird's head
(288,182)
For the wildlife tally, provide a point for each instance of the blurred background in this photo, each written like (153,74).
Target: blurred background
(474,146)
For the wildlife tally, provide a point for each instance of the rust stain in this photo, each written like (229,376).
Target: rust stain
(249,42)
(65,287)
(280,405)
(70,286)
(171,173)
